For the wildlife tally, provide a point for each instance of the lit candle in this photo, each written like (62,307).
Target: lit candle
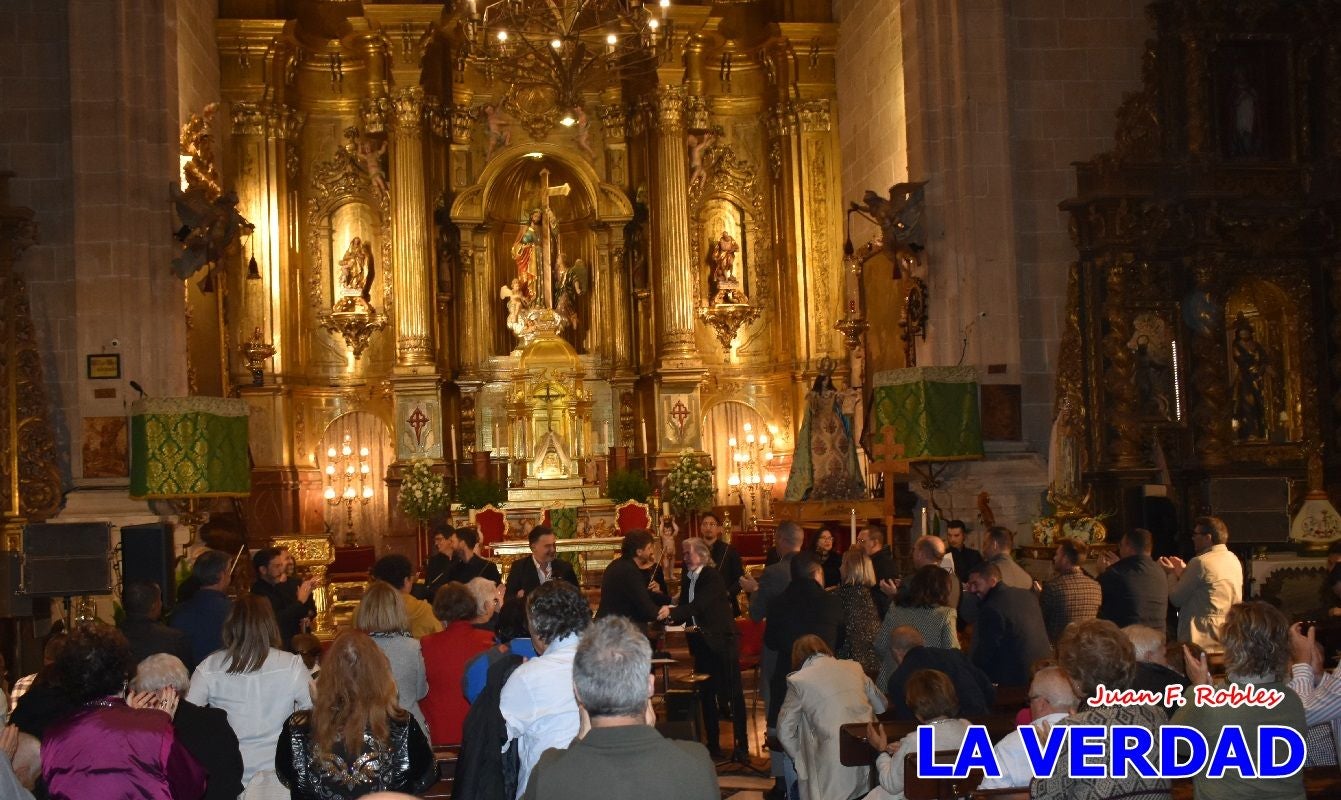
(496,442)
(644,425)
(454,450)
(605,433)
(926,521)
(853,512)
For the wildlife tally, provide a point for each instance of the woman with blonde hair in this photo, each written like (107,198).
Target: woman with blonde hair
(256,684)
(356,739)
(382,616)
(860,619)
(823,694)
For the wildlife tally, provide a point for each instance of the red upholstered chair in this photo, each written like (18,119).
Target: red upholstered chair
(492,525)
(631,515)
(751,636)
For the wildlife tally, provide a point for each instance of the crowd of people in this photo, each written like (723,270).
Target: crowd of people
(233,697)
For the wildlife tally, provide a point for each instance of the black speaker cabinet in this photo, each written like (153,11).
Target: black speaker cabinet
(65,559)
(146,555)
(12,604)
(1256,510)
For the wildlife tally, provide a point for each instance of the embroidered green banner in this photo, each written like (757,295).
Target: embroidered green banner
(934,411)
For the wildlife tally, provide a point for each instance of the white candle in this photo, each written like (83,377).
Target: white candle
(644,425)
(496,442)
(454,451)
(854,525)
(665,509)
(926,521)
(605,431)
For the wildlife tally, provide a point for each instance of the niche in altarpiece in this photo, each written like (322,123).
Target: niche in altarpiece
(1262,345)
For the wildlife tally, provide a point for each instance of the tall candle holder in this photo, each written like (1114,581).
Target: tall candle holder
(752,472)
(347,474)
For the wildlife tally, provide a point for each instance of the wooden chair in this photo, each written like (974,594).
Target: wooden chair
(631,515)
(445,757)
(918,788)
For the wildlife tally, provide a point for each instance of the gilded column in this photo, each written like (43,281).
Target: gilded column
(409,231)
(670,221)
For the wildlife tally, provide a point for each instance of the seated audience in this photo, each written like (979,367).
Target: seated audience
(256,683)
(537,701)
(618,752)
(829,558)
(468,564)
(925,606)
(202,616)
(143,603)
(445,655)
(488,600)
(356,739)
(1093,653)
(1070,595)
(395,570)
(1256,638)
(438,568)
(1320,692)
(36,700)
(308,648)
(1134,589)
(292,602)
(931,696)
(1009,635)
(1206,587)
(381,615)
(106,748)
(161,680)
(823,694)
(910,654)
(1052,699)
(625,590)
(1153,672)
(860,619)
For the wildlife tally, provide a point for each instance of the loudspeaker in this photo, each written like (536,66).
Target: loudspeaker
(12,604)
(61,560)
(146,555)
(684,718)
(1256,510)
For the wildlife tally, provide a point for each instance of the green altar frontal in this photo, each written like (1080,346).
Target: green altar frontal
(934,412)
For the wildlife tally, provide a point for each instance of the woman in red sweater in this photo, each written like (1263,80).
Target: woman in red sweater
(445,656)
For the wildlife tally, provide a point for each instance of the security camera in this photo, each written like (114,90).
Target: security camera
(116,343)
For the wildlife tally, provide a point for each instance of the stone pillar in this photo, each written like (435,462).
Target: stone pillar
(409,231)
(670,222)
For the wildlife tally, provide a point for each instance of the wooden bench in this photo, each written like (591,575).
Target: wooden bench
(855,751)
(445,757)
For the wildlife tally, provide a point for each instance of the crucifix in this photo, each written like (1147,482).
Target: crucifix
(889,462)
(550,238)
(549,407)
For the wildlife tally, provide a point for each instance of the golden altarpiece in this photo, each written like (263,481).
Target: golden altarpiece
(538,247)
(1202,335)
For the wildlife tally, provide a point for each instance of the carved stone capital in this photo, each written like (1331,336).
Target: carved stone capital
(668,109)
(814,115)
(463,121)
(407,106)
(781,121)
(614,122)
(372,112)
(696,113)
(249,119)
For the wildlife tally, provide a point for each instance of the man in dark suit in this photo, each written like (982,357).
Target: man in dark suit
(872,538)
(966,558)
(1135,589)
(543,566)
(438,568)
(625,591)
(468,564)
(998,544)
(143,603)
(622,754)
(714,643)
(930,551)
(203,731)
(202,617)
(291,601)
(724,556)
(975,689)
(1009,635)
(803,607)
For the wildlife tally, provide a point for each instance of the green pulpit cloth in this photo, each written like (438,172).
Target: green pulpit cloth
(189,447)
(934,411)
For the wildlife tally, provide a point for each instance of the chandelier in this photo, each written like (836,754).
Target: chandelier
(567,46)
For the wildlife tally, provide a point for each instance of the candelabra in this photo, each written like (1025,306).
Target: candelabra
(752,473)
(347,482)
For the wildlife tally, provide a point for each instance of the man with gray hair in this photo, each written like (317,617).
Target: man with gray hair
(1052,699)
(202,617)
(618,752)
(204,732)
(1153,672)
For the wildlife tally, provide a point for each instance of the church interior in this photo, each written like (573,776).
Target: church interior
(327,274)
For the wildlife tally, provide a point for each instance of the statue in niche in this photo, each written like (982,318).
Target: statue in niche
(569,286)
(357,270)
(725,285)
(824,466)
(1253,371)
(524,254)
(1247,112)
(541,278)
(582,126)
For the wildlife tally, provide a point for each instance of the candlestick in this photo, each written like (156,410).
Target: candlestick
(455,477)
(644,426)
(605,433)
(665,509)
(853,512)
(926,521)
(496,443)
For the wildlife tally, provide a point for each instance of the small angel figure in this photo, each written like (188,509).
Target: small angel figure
(583,128)
(697,144)
(498,131)
(514,295)
(370,158)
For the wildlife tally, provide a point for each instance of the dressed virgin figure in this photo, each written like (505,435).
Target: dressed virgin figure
(824,466)
(524,252)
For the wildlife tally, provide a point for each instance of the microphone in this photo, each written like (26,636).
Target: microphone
(138,388)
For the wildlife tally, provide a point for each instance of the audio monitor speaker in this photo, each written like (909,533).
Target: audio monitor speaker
(1256,510)
(146,555)
(65,559)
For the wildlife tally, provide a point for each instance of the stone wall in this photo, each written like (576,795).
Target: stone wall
(872,119)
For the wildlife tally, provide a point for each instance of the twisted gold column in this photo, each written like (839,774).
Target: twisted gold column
(409,230)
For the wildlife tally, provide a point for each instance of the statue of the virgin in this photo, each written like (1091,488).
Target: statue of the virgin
(824,466)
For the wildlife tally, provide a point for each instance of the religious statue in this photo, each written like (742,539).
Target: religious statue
(697,144)
(498,131)
(209,228)
(513,294)
(724,285)
(1254,369)
(524,254)
(824,466)
(370,158)
(569,286)
(900,220)
(356,270)
(582,125)
(1246,140)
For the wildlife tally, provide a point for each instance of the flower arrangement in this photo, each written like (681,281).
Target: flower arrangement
(423,495)
(689,485)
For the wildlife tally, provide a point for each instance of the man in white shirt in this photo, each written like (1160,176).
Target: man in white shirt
(1051,700)
(1205,587)
(537,702)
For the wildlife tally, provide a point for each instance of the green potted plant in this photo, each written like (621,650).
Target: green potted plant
(475,493)
(627,484)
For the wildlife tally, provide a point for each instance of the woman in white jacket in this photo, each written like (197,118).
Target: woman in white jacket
(931,696)
(823,694)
